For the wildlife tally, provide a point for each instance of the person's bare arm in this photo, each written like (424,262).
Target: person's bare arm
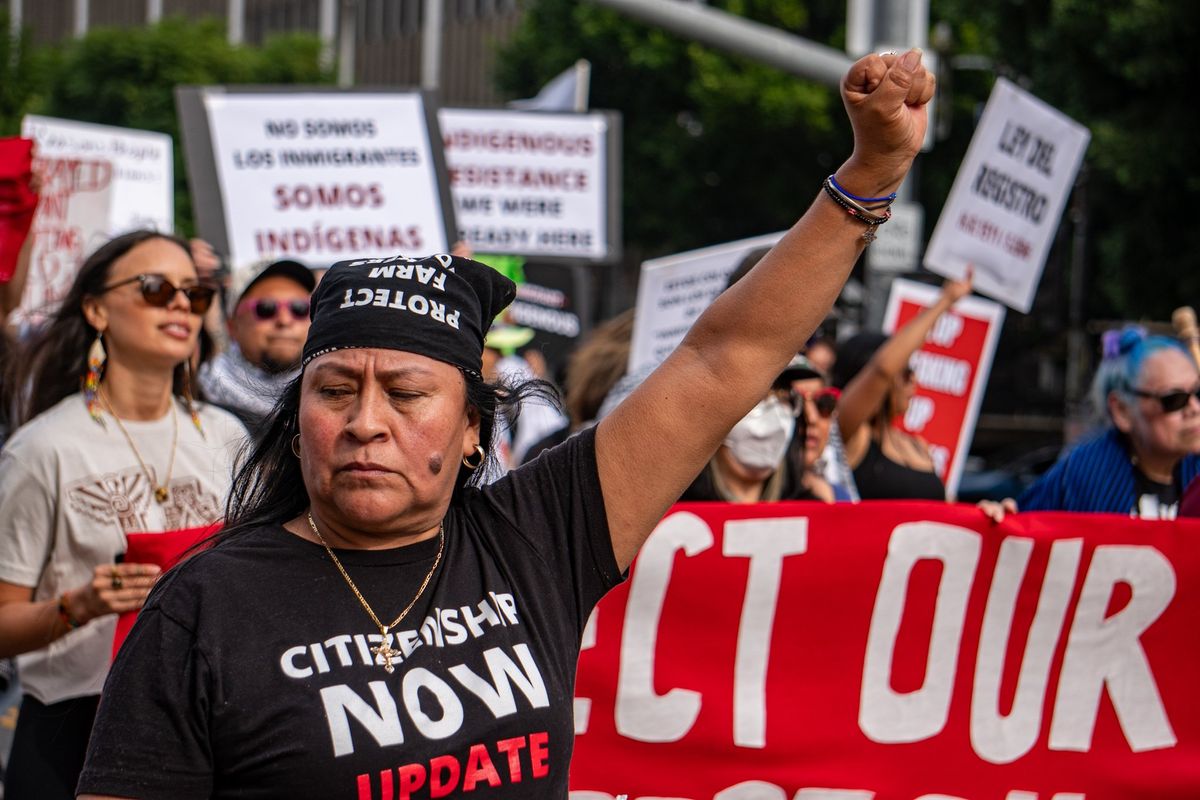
(11,290)
(27,624)
(657,440)
(862,397)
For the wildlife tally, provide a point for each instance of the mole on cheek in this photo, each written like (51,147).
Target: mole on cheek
(435,463)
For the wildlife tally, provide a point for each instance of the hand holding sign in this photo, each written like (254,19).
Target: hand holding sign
(954,289)
(885,97)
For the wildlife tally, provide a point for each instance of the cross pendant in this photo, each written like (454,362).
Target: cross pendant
(386,652)
(869,234)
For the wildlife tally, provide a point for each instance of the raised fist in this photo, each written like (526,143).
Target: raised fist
(885,97)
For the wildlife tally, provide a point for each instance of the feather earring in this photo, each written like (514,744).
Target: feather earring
(95,371)
(187,397)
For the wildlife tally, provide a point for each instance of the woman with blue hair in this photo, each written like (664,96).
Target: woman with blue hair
(1148,388)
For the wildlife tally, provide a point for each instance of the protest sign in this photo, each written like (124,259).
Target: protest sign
(143,167)
(97,182)
(535,184)
(71,221)
(894,650)
(673,290)
(897,245)
(318,176)
(1008,196)
(950,371)
(555,300)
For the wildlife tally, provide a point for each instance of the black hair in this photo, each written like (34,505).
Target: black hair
(748,262)
(853,354)
(52,365)
(268,486)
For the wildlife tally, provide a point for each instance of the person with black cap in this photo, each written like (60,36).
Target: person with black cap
(873,373)
(267,311)
(371,624)
(811,446)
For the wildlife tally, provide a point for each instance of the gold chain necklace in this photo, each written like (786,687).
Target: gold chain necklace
(385,649)
(161,492)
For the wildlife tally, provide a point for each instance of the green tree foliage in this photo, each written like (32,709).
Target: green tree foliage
(716,147)
(1121,68)
(19,75)
(127,77)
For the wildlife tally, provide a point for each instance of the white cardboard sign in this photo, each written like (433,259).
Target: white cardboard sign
(674,290)
(143,167)
(98,181)
(324,176)
(1008,196)
(897,245)
(528,183)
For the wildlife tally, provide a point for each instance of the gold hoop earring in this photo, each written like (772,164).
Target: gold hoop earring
(477,464)
(296,446)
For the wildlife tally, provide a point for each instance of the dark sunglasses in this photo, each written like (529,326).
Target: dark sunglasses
(1171,401)
(266,308)
(825,402)
(159,292)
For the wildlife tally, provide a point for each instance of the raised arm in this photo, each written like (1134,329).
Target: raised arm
(864,394)
(10,292)
(658,439)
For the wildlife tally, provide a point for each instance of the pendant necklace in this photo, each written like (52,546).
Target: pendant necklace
(385,649)
(161,492)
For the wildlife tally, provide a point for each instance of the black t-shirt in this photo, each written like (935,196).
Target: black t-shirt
(1154,500)
(249,673)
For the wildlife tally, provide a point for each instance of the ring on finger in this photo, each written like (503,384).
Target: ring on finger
(117,581)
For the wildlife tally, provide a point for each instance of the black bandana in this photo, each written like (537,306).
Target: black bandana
(438,306)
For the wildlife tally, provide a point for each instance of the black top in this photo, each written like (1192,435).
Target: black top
(1154,500)
(880,478)
(704,489)
(249,673)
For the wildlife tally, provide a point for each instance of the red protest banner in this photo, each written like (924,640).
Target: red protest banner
(951,371)
(894,650)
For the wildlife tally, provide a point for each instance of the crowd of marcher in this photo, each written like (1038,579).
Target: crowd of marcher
(312,465)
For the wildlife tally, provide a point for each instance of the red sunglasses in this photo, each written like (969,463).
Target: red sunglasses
(825,401)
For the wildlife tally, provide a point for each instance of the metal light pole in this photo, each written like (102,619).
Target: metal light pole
(326,30)
(82,7)
(431,46)
(235,25)
(347,28)
(763,43)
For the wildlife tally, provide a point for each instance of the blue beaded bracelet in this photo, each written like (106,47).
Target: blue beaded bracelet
(855,197)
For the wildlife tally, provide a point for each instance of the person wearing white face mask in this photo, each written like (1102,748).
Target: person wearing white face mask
(749,466)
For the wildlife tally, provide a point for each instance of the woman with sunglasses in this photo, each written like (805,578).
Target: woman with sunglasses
(877,385)
(1148,450)
(111,444)
(815,403)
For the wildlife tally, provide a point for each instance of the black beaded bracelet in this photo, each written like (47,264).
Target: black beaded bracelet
(65,615)
(872,221)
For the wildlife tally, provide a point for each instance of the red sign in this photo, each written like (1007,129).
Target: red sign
(798,651)
(951,371)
